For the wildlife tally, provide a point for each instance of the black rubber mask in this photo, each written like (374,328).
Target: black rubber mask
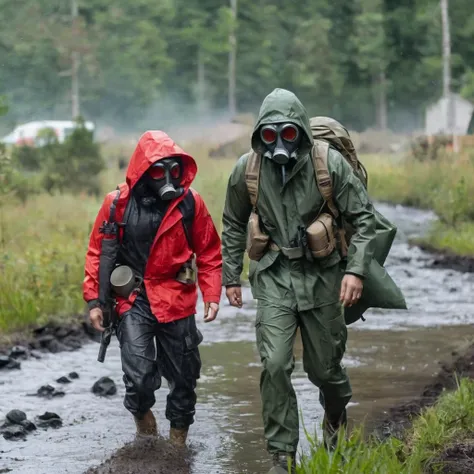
(163,178)
(281,141)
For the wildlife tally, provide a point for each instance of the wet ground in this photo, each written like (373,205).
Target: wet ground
(390,357)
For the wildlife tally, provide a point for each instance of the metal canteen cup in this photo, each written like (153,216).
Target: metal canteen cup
(124,281)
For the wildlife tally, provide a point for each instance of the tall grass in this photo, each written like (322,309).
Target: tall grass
(42,258)
(445,185)
(448,422)
(43,244)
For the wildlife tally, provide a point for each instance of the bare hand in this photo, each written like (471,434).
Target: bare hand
(351,290)
(210,312)
(234,295)
(96,318)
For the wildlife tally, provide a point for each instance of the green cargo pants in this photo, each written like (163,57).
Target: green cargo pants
(324,336)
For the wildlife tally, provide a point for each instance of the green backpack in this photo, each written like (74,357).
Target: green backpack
(380,291)
(332,132)
(329,132)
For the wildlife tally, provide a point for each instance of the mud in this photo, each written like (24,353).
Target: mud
(448,260)
(458,459)
(50,338)
(401,416)
(147,457)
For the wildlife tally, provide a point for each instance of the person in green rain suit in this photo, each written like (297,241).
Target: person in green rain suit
(292,291)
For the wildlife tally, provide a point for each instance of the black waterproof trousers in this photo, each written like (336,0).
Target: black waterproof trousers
(150,350)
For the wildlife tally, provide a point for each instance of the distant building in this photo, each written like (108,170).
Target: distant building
(436,120)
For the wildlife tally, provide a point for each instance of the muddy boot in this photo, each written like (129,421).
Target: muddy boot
(281,462)
(331,429)
(146,426)
(178,436)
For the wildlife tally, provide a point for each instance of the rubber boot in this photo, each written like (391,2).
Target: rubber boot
(178,436)
(331,429)
(281,461)
(146,426)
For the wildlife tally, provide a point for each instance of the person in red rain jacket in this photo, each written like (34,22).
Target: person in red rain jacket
(157,330)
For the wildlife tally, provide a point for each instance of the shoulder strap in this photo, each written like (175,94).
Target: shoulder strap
(252,176)
(113,207)
(187,208)
(126,214)
(319,156)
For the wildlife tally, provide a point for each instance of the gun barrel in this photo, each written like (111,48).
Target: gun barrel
(102,352)
(104,343)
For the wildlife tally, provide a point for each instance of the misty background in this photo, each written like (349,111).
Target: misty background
(147,63)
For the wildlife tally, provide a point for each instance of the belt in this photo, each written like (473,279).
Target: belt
(291,253)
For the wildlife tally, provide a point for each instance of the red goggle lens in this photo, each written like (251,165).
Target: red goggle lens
(175,171)
(157,172)
(289,133)
(268,135)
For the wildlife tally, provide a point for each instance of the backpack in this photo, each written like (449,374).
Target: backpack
(326,132)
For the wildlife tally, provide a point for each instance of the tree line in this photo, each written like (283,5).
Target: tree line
(369,63)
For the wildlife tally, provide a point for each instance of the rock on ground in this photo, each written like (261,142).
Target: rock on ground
(48,391)
(104,386)
(16,416)
(14,432)
(16,426)
(49,420)
(9,363)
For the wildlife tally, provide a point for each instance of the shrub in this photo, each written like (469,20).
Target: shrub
(26,158)
(73,166)
(424,149)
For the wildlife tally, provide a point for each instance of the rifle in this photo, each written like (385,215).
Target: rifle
(109,323)
(110,246)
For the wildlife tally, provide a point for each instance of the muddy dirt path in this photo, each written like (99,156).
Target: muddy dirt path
(390,358)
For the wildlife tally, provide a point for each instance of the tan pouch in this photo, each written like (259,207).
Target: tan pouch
(320,235)
(257,241)
(187,274)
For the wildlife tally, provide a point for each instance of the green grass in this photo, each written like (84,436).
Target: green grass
(445,186)
(458,240)
(448,422)
(42,249)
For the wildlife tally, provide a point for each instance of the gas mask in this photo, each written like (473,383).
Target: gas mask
(163,178)
(281,141)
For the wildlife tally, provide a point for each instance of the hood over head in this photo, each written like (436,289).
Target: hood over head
(153,146)
(280,106)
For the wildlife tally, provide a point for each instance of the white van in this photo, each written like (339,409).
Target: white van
(27,133)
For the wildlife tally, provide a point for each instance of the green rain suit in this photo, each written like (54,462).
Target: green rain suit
(296,293)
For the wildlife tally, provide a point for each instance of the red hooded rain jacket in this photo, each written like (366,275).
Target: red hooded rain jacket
(169,299)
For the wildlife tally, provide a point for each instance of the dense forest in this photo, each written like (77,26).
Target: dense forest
(370,63)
